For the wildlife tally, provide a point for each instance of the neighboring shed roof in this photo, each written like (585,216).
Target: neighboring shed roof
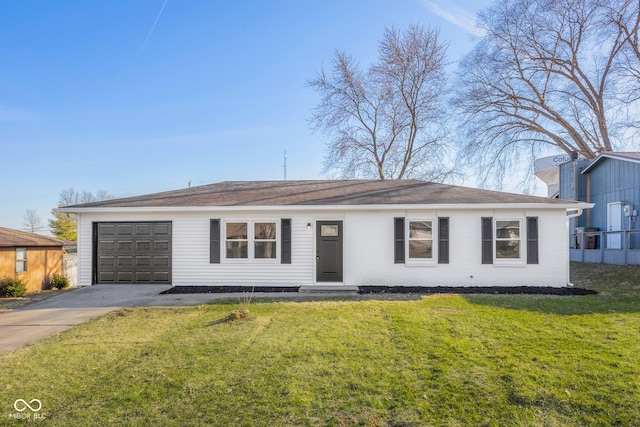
(15,239)
(319,193)
(625,156)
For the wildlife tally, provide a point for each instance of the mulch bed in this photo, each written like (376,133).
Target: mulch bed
(422,290)
(227,289)
(506,290)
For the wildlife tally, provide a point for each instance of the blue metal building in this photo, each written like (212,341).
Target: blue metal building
(610,231)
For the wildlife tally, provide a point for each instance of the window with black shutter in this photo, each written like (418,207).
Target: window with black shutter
(398,248)
(443,240)
(214,242)
(487,240)
(532,240)
(285,247)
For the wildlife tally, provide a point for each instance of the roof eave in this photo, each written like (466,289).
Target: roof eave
(299,208)
(614,156)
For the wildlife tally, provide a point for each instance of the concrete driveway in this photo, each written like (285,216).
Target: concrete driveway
(43,319)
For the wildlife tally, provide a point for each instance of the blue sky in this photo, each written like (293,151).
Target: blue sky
(141,96)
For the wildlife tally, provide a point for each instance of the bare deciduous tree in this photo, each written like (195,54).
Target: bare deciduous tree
(624,16)
(31,221)
(544,76)
(386,122)
(61,225)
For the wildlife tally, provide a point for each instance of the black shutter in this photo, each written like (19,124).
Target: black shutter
(214,242)
(443,240)
(285,247)
(487,240)
(532,240)
(398,248)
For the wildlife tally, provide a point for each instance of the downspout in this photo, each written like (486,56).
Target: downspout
(576,213)
(588,179)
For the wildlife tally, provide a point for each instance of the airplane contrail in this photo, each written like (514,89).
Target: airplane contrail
(153,27)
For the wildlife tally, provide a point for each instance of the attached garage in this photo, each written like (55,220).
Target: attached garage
(132,252)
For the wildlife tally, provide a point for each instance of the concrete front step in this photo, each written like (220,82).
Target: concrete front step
(337,288)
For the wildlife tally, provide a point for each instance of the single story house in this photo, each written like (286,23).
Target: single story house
(338,232)
(30,257)
(610,232)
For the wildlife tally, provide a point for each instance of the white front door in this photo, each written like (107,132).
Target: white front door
(614,223)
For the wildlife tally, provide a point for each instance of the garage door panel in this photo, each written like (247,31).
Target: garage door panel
(160,260)
(125,261)
(106,277)
(143,229)
(125,229)
(143,245)
(125,277)
(162,229)
(137,252)
(107,229)
(161,277)
(106,261)
(161,245)
(144,276)
(143,261)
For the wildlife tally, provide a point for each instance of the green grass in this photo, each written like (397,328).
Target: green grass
(438,360)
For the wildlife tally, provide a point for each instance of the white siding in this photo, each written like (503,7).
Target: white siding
(370,258)
(368,249)
(190,251)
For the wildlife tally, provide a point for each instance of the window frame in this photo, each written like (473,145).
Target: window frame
(22,261)
(251,240)
(433,259)
(227,240)
(510,260)
(255,240)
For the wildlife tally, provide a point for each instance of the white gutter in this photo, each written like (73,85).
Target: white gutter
(578,212)
(579,206)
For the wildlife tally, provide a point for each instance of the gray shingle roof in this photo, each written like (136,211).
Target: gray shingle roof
(316,193)
(15,239)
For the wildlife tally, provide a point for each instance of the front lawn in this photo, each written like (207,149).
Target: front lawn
(436,360)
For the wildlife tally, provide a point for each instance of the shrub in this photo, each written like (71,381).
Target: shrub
(10,287)
(59,281)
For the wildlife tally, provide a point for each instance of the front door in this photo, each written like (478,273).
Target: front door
(614,223)
(329,251)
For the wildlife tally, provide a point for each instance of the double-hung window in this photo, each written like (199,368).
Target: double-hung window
(21,260)
(251,239)
(420,240)
(237,240)
(508,239)
(264,240)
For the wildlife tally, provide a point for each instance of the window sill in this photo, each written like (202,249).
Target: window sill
(514,263)
(425,263)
